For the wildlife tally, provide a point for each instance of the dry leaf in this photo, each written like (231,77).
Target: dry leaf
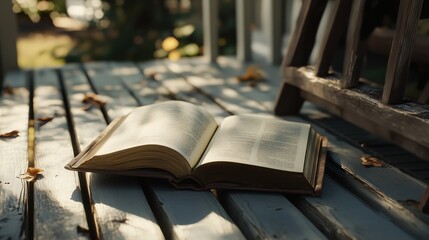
(12,134)
(92,99)
(31,174)
(44,120)
(253,75)
(369,161)
(8,90)
(411,202)
(151,75)
(82,230)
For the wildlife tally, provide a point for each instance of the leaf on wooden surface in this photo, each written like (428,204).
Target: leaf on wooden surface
(253,75)
(11,134)
(82,230)
(43,120)
(8,90)
(92,99)
(151,75)
(411,202)
(370,161)
(31,174)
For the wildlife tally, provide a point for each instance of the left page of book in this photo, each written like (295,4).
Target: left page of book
(183,127)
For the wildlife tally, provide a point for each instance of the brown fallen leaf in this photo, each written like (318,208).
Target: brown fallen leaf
(151,75)
(43,120)
(410,202)
(92,99)
(253,75)
(31,174)
(8,90)
(11,134)
(82,230)
(369,161)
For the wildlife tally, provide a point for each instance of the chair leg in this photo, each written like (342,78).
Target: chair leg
(289,100)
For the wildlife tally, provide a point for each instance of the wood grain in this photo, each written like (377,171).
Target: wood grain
(405,124)
(115,217)
(14,111)
(58,208)
(401,51)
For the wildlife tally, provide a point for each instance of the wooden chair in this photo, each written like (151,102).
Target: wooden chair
(384,112)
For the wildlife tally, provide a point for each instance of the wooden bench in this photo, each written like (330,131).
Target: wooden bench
(357,202)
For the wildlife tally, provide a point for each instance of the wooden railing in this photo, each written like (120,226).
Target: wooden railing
(382,111)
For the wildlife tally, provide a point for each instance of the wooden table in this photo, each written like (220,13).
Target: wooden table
(357,202)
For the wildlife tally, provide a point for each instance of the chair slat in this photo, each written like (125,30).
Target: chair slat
(401,51)
(353,58)
(302,41)
(210,26)
(335,26)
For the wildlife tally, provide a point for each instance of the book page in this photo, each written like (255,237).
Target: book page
(184,127)
(260,141)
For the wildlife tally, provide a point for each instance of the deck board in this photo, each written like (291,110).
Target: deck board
(115,218)
(14,112)
(120,98)
(58,208)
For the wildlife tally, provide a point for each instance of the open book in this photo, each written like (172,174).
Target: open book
(182,142)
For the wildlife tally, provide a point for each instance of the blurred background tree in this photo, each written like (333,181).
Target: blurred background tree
(124,30)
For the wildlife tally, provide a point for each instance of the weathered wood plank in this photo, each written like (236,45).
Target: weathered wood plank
(219,221)
(389,182)
(353,57)
(387,189)
(14,112)
(405,124)
(341,215)
(401,51)
(303,37)
(206,220)
(58,208)
(215,87)
(115,217)
(252,230)
(332,35)
(268,216)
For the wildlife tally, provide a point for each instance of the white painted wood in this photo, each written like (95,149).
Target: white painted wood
(205,199)
(58,208)
(109,88)
(210,29)
(8,36)
(206,220)
(14,111)
(273,12)
(254,220)
(391,186)
(243,11)
(182,90)
(215,89)
(343,215)
(269,216)
(120,205)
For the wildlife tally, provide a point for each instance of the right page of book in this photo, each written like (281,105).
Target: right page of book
(259,141)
